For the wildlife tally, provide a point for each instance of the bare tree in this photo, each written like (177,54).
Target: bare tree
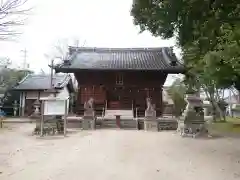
(60,48)
(5,62)
(12,15)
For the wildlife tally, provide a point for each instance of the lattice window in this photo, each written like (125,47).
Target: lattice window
(119,79)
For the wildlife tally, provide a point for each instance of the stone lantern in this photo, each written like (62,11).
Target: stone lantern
(192,121)
(36,105)
(15,108)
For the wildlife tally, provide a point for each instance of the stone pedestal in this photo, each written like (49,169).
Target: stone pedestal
(150,125)
(89,121)
(150,121)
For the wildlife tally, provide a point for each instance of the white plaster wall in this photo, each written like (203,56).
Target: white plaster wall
(35,94)
(32,95)
(44,94)
(64,93)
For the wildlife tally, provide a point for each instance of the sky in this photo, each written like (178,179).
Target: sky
(95,23)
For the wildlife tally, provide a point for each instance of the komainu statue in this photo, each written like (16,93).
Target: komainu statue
(88,105)
(150,106)
(89,118)
(150,111)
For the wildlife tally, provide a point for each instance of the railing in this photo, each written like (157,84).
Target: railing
(104,109)
(132,109)
(105,104)
(136,113)
(103,112)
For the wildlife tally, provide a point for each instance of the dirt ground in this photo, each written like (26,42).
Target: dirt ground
(116,154)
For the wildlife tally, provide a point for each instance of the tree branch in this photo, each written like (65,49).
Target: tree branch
(12,15)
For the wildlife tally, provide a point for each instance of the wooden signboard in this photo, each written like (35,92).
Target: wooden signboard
(55,107)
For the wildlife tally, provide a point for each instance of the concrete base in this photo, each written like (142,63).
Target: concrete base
(150,125)
(192,128)
(167,124)
(74,124)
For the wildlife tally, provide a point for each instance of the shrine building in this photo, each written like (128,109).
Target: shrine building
(120,78)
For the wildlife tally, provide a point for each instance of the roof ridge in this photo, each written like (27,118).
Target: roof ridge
(120,48)
(65,80)
(23,79)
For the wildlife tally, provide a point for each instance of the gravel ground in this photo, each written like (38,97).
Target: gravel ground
(116,154)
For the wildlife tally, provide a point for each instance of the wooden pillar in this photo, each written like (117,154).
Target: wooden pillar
(22,104)
(65,118)
(161,101)
(42,118)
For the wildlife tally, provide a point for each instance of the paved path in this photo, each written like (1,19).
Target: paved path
(116,154)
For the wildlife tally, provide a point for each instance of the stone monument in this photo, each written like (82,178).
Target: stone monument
(89,118)
(150,120)
(192,121)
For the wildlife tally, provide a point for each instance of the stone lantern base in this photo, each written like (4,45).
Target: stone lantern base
(192,121)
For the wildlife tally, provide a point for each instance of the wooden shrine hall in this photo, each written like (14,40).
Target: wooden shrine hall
(120,78)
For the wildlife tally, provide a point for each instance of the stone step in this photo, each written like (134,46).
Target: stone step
(125,114)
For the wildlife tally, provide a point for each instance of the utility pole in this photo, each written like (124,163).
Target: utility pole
(51,78)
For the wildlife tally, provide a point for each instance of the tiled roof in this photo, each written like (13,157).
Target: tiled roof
(42,82)
(121,59)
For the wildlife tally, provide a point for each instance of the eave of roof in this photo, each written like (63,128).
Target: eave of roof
(42,82)
(121,59)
